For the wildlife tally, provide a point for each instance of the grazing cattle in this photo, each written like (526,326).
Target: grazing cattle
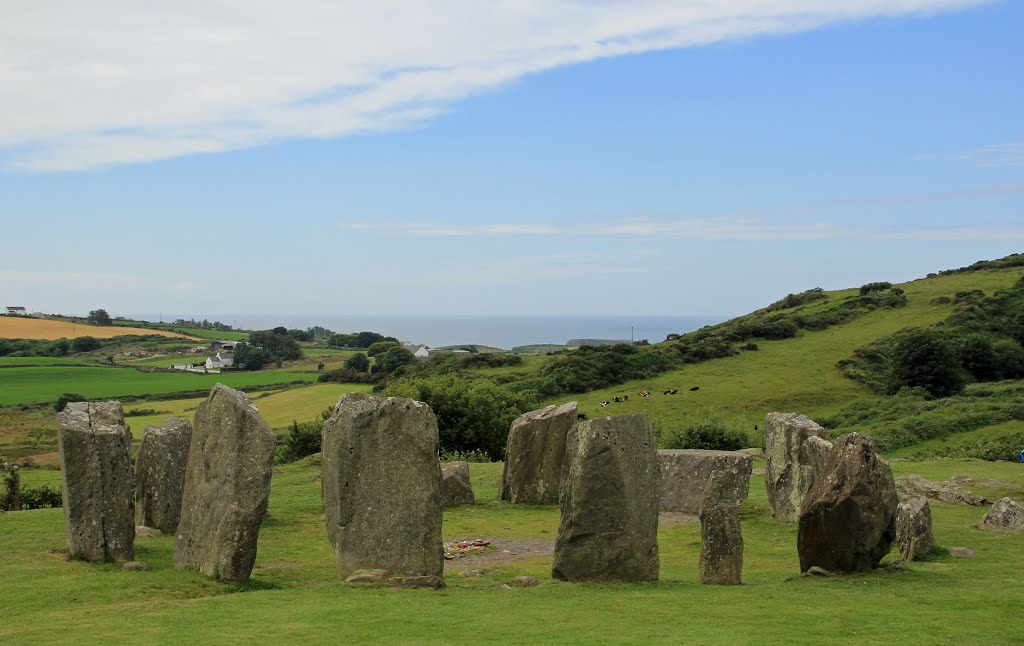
(695,388)
(604,403)
(672,391)
(625,398)
(584,416)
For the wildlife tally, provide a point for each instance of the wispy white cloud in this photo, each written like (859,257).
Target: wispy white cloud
(427,230)
(996,156)
(725,229)
(107,82)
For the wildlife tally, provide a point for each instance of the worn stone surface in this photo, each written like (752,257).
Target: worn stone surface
(609,502)
(534,454)
(1006,515)
(98,483)
(135,566)
(686,472)
(914,486)
(455,486)
(790,467)
(141,531)
(431,581)
(848,518)
(815,452)
(814,570)
(227,487)
(914,537)
(368,576)
(160,473)
(382,486)
(721,536)
(525,582)
(961,552)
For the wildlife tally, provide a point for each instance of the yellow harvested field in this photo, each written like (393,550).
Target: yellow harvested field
(22,327)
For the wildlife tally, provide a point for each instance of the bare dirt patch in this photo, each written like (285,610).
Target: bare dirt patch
(503,552)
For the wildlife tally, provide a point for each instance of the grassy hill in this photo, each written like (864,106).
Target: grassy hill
(23,327)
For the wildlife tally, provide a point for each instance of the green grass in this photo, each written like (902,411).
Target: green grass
(19,362)
(45,384)
(295,596)
(961,439)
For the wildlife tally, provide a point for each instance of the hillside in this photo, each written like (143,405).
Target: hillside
(23,327)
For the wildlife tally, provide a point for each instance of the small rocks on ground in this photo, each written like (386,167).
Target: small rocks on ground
(147,532)
(135,566)
(961,552)
(525,582)
(476,573)
(814,570)
(458,549)
(502,586)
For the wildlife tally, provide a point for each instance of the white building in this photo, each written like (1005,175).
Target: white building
(17,311)
(222,360)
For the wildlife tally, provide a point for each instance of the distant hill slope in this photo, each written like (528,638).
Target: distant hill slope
(23,327)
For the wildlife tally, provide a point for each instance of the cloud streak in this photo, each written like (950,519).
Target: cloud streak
(111,82)
(996,156)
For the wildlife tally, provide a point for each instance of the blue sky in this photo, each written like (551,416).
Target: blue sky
(502,158)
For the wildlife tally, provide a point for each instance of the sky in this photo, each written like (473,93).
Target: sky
(538,157)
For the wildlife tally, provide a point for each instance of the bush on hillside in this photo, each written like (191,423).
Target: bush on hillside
(708,430)
(794,300)
(304,439)
(924,359)
(63,400)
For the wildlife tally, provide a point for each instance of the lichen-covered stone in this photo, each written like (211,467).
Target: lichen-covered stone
(609,502)
(382,486)
(227,487)
(455,486)
(685,474)
(914,537)
(534,454)
(848,518)
(721,536)
(790,467)
(98,481)
(160,474)
(914,486)
(1006,515)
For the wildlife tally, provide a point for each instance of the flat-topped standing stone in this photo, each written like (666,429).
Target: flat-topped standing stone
(382,486)
(685,474)
(609,502)
(455,487)
(227,487)
(98,482)
(848,518)
(914,529)
(721,536)
(160,474)
(790,468)
(534,455)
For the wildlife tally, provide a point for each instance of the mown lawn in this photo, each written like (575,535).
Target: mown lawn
(295,596)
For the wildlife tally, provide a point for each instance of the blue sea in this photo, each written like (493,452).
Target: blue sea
(496,331)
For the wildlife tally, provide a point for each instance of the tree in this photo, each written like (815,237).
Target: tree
(392,359)
(978,357)
(85,344)
(380,347)
(923,358)
(63,400)
(99,317)
(358,362)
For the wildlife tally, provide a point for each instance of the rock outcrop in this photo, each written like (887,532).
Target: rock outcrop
(790,463)
(1006,515)
(914,486)
(914,537)
(721,536)
(611,488)
(534,454)
(227,487)
(848,517)
(98,483)
(160,474)
(685,474)
(382,487)
(455,486)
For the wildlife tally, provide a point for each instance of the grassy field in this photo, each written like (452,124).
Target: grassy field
(22,327)
(19,362)
(38,384)
(196,332)
(295,596)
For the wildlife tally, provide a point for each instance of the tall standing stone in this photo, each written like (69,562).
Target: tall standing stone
(382,486)
(685,474)
(98,482)
(790,468)
(609,502)
(227,487)
(455,486)
(721,536)
(914,529)
(160,474)
(534,455)
(848,518)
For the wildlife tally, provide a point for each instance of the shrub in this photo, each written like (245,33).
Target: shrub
(923,358)
(304,439)
(708,430)
(880,286)
(63,400)
(358,362)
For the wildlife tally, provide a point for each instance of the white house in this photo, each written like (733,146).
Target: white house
(222,360)
(17,311)
(422,352)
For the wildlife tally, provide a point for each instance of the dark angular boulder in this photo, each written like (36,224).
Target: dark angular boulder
(382,487)
(455,487)
(721,536)
(609,502)
(790,465)
(685,474)
(848,517)
(98,483)
(160,474)
(534,454)
(227,487)
(914,529)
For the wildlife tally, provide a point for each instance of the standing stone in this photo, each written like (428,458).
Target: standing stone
(1006,515)
(534,454)
(721,536)
(848,518)
(914,529)
(455,487)
(227,487)
(790,468)
(160,474)
(382,486)
(685,473)
(98,482)
(609,502)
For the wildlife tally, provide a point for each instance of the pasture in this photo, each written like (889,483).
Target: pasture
(23,327)
(295,595)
